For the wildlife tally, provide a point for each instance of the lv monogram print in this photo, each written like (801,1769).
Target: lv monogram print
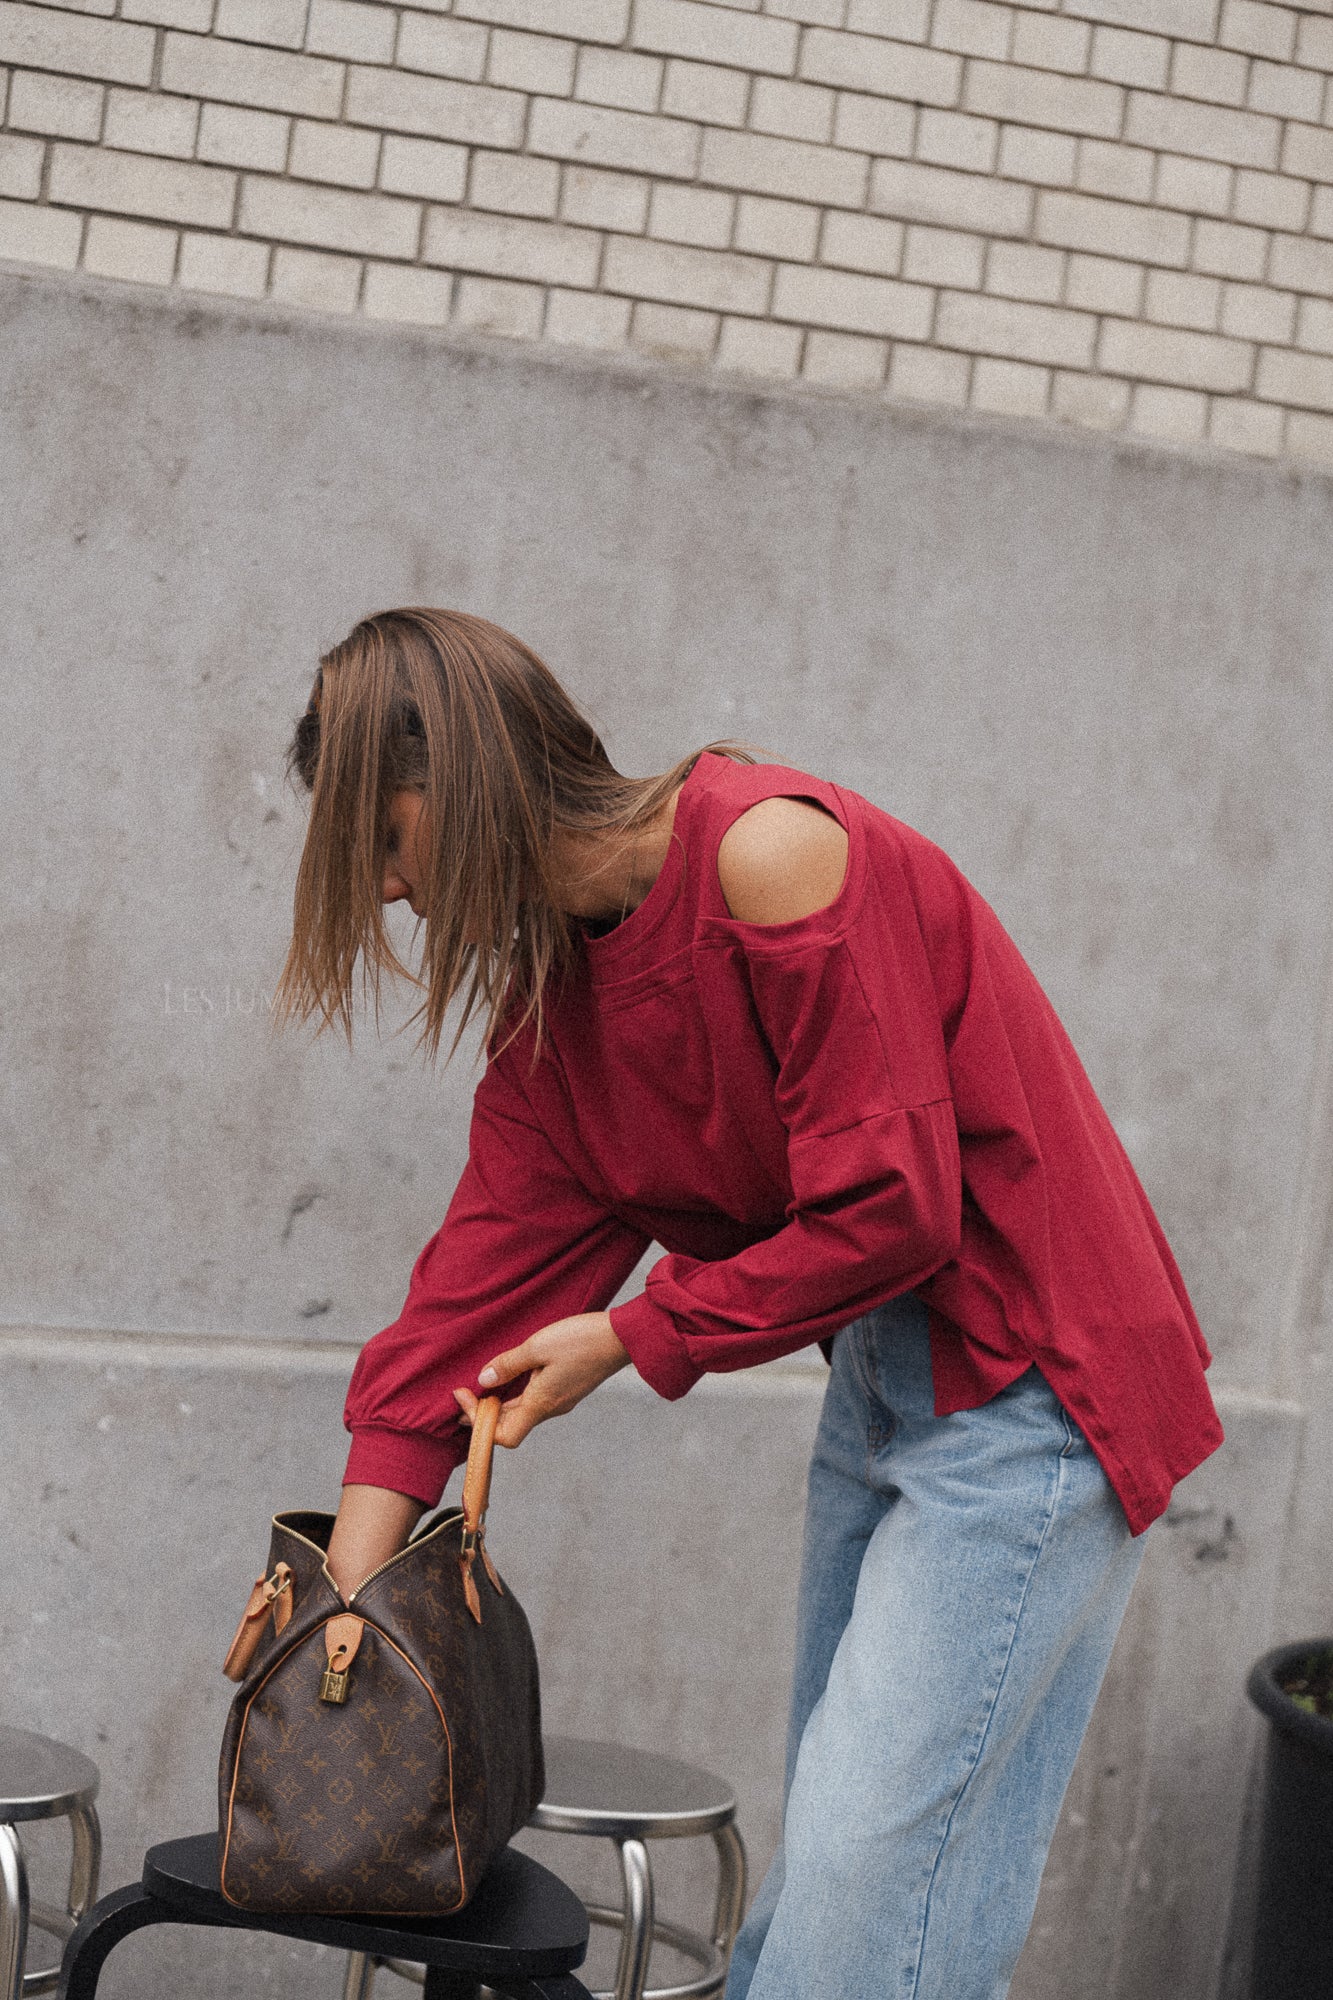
(395,1802)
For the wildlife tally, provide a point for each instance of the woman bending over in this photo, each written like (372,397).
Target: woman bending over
(740,1012)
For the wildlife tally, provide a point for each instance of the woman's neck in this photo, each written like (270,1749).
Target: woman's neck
(606,874)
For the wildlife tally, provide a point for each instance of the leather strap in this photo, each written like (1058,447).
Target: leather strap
(476,1494)
(477,1478)
(271,1593)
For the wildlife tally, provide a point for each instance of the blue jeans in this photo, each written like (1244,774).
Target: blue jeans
(962,1584)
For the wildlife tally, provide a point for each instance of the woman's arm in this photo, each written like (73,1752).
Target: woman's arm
(523,1247)
(372,1525)
(564,1363)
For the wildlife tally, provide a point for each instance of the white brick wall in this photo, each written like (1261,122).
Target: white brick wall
(1114,214)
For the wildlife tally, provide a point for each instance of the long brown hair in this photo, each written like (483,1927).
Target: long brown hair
(459,710)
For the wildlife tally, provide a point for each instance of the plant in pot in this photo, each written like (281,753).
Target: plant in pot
(1293,1937)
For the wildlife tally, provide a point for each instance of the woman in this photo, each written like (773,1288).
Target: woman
(740,1012)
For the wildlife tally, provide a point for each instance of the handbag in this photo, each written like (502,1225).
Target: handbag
(381,1751)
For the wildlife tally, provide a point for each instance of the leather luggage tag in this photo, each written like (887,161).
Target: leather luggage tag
(342,1636)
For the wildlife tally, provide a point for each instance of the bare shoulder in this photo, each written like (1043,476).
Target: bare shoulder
(783,859)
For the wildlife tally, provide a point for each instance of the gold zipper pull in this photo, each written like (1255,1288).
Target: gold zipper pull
(278,1592)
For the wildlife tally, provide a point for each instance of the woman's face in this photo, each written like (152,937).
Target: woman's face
(406,860)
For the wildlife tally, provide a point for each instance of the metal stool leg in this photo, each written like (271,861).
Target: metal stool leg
(637,1942)
(360,1976)
(731,1874)
(86,1863)
(13,1914)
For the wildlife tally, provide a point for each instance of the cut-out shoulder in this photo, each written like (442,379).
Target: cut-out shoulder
(783,859)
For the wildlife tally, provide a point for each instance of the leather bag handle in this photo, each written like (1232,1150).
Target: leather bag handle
(477,1478)
(476,1494)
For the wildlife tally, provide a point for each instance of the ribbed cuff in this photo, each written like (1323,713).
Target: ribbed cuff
(649,1336)
(408,1462)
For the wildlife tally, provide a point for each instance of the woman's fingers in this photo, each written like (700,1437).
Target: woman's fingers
(505,1367)
(517,1419)
(513,1427)
(563,1362)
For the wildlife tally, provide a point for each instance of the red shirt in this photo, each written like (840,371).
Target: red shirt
(810,1118)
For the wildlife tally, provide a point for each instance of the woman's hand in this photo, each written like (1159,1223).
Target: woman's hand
(564,1362)
(372,1525)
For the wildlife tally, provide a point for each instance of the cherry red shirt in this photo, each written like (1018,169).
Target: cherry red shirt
(810,1118)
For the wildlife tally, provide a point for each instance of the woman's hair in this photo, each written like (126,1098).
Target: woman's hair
(459,710)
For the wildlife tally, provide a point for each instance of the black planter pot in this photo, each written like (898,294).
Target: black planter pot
(1293,1932)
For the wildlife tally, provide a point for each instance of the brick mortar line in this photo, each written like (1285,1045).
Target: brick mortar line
(968,58)
(1003,125)
(1016,12)
(983,290)
(1271,234)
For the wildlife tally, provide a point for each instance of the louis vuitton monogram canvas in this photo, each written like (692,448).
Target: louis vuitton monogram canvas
(394,1801)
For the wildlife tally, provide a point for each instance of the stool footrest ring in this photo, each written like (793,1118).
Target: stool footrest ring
(700,1950)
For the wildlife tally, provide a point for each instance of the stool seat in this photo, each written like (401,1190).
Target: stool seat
(626,1794)
(522,1933)
(41,1779)
(523,1920)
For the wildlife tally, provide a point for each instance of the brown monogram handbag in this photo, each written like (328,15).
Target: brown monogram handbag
(379,1753)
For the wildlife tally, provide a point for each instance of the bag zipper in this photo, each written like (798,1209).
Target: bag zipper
(449,1521)
(452,1516)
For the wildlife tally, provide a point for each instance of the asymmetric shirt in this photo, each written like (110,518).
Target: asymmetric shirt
(810,1118)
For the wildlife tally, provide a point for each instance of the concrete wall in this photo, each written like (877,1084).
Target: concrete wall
(1116,214)
(1094,671)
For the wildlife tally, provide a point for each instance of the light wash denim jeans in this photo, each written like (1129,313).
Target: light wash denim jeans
(962,1584)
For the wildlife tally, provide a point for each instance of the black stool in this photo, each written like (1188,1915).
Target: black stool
(521,1935)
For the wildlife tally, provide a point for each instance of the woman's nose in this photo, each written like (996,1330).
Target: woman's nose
(395,890)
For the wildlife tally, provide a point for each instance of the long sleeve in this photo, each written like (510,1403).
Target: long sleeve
(522,1244)
(862,1090)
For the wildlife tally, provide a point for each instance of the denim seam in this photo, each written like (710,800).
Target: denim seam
(960,1794)
(855,1336)
(882,1422)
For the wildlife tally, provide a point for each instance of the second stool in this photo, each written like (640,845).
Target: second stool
(41,1779)
(630,1797)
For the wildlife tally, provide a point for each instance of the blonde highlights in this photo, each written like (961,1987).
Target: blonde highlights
(459,710)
